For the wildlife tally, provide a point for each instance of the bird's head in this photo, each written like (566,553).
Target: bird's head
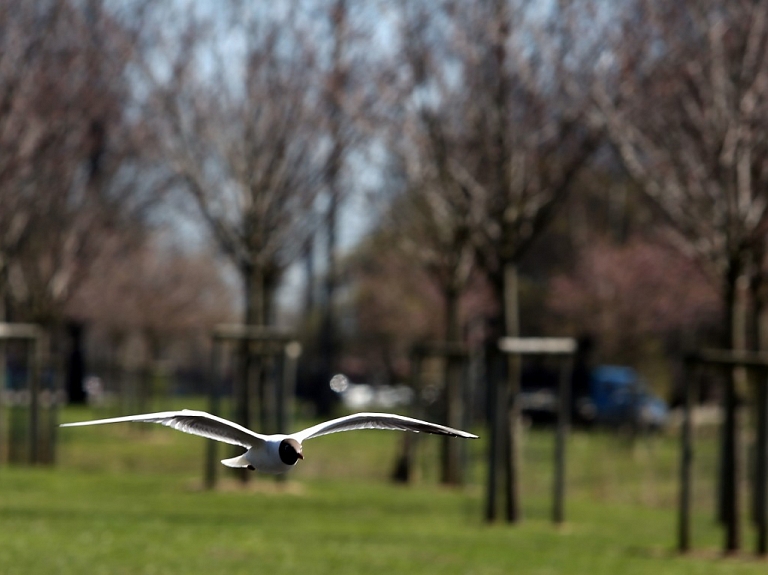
(290,451)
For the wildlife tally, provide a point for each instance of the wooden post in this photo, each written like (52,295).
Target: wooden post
(405,470)
(3,388)
(54,364)
(266,382)
(454,355)
(242,398)
(494,427)
(761,470)
(686,461)
(452,473)
(252,360)
(511,440)
(561,436)
(33,382)
(209,474)
(730,468)
(286,388)
(730,503)
(516,347)
(22,441)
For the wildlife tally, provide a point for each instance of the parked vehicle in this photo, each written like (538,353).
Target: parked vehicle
(615,396)
(618,396)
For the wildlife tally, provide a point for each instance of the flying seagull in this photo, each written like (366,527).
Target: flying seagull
(275,453)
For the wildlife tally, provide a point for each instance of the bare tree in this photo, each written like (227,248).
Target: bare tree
(496,136)
(524,142)
(69,150)
(337,127)
(69,154)
(242,141)
(35,127)
(347,75)
(238,123)
(689,126)
(434,215)
(19,141)
(684,96)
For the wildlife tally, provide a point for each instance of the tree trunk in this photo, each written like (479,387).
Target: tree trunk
(334,99)
(759,507)
(512,426)
(254,303)
(451,452)
(4,311)
(328,327)
(267,379)
(76,364)
(3,355)
(734,339)
(505,427)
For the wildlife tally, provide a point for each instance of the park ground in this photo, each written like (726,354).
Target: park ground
(127,499)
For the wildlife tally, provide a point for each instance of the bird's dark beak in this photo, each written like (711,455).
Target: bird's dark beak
(300,455)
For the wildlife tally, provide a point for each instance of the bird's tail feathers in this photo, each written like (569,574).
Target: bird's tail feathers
(239,461)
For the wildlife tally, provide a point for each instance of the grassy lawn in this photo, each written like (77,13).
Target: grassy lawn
(127,499)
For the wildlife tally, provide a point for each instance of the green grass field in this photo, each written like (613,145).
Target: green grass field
(126,499)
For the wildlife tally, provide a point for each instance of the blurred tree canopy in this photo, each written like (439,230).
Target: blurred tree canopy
(611,154)
(70,152)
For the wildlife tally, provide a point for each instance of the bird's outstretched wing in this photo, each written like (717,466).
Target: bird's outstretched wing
(190,421)
(378,421)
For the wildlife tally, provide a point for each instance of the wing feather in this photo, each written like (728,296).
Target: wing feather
(378,421)
(190,421)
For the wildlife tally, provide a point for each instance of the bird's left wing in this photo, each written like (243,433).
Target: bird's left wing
(378,421)
(190,421)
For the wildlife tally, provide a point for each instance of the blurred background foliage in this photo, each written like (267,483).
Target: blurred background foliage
(362,173)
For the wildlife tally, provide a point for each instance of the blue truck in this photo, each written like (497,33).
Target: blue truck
(613,396)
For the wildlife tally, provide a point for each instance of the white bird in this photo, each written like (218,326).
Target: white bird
(275,453)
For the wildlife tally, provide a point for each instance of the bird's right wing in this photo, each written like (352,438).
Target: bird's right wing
(190,421)
(378,421)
